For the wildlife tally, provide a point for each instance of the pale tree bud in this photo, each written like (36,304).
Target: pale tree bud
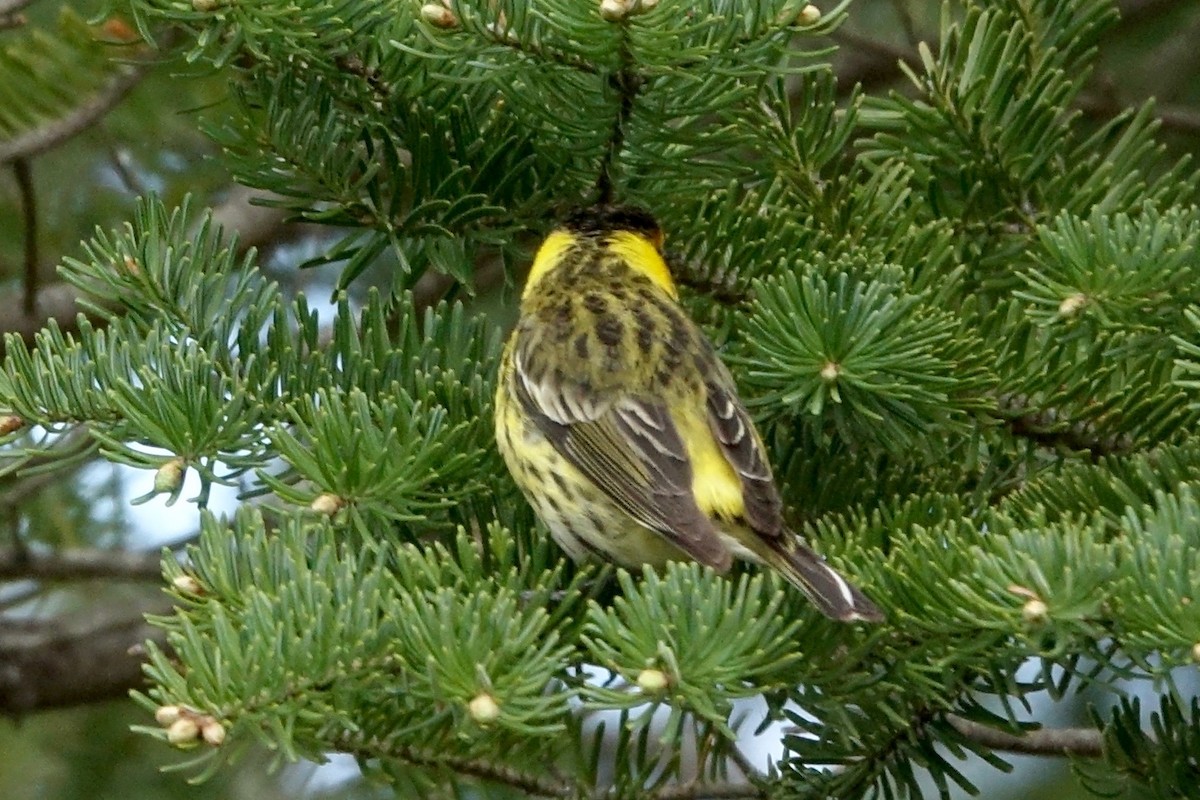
(439,16)
(167,715)
(183,731)
(809,15)
(169,476)
(652,681)
(328,504)
(483,708)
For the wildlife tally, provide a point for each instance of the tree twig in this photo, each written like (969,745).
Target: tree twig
(531,784)
(476,768)
(43,138)
(1083,742)
(628,82)
(709,791)
(60,663)
(1133,11)
(23,173)
(79,564)
(53,301)
(870,62)
(906,22)
(1171,118)
(739,758)
(20,596)
(9,16)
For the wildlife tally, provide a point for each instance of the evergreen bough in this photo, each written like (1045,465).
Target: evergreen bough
(968,322)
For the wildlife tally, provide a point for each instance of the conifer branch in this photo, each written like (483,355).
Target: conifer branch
(79,564)
(61,663)
(874,62)
(628,83)
(1048,427)
(536,785)
(474,767)
(688,276)
(537,52)
(23,173)
(739,758)
(710,791)
(355,66)
(712,289)
(9,13)
(1082,742)
(57,301)
(1170,117)
(54,133)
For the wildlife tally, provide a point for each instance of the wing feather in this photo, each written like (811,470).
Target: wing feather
(734,431)
(631,451)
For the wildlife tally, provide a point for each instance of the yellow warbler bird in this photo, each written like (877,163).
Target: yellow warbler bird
(624,429)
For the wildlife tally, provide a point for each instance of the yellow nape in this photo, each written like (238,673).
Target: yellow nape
(715,484)
(642,256)
(549,255)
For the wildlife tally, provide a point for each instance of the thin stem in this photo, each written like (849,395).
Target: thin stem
(53,133)
(536,52)
(628,83)
(1050,427)
(23,172)
(120,164)
(80,564)
(739,758)
(477,768)
(536,785)
(906,22)
(710,791)
(10,16)
(1083,742)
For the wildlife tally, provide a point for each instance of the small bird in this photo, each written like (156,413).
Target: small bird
(624,429)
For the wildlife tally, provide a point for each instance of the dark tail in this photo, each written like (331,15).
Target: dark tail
(833,595)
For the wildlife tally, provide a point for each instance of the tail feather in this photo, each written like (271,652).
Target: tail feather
(833,595)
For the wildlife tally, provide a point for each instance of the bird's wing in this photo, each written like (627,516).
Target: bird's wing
(629,448)
(733,429)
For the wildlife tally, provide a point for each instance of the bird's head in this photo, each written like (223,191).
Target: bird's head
(629,232)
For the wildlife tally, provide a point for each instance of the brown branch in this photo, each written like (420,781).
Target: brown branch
(628,83)
(1133,11)
(61,663)
(67,446)
(476,768)
(247,213)
(1049,427)
(54,133)
(54,301)
(900,7)
(9,16)
(1082,742)
(79,564)
(710,791)
(255,225)
(23,172)
(1178,118)
(869,62)
(531,784)
(749,772)
(19,595)
(1170,117)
